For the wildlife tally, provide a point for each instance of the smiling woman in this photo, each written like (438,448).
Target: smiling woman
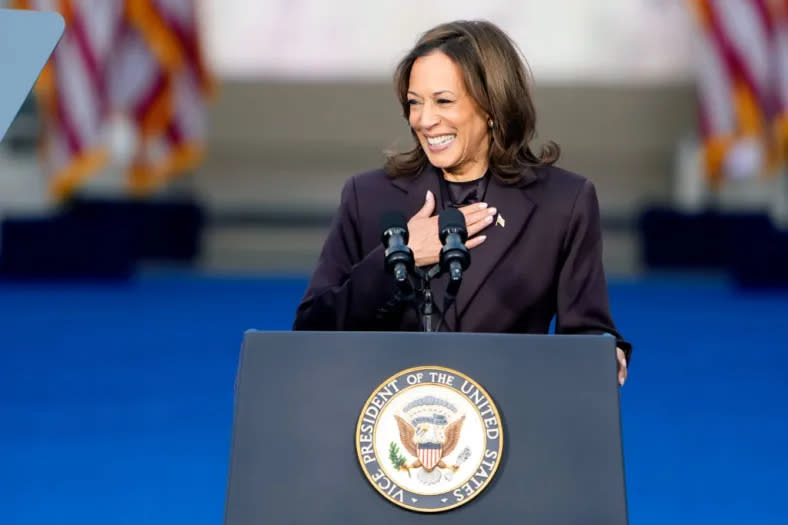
(464,90)
(450,126)
(468,75)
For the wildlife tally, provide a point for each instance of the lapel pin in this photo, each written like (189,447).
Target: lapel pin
(500,221)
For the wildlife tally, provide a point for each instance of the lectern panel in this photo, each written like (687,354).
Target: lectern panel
(299,396)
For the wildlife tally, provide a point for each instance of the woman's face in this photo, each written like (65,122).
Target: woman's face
(450,125)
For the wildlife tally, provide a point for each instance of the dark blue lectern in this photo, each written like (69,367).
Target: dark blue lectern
(299,396)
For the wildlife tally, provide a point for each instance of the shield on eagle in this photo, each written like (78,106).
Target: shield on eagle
(430,454)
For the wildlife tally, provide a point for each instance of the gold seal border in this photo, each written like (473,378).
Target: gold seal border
(406,371)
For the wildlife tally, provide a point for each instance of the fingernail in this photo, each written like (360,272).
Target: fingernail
(488,218)
(482,205)
(492,211)
(429,194)
(483,237)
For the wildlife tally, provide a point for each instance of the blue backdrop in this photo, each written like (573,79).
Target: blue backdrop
(116,399)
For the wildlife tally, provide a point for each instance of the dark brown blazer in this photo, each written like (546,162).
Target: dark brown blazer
(545,261)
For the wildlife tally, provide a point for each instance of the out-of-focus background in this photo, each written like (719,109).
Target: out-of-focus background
(170,181)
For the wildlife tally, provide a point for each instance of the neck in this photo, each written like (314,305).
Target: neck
(467,173)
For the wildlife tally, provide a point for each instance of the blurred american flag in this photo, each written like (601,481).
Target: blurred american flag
(125,86)
(743,86)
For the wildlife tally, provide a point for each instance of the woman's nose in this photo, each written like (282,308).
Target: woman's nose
(428,117)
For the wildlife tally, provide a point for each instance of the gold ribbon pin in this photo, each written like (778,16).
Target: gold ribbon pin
(500,221)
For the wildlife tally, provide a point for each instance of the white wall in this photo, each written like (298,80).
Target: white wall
(600,41)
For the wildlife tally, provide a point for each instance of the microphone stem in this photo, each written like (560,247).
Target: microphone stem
(400,272)
(427,309)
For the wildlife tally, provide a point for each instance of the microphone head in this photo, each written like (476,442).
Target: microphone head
(393,219)
(451,220)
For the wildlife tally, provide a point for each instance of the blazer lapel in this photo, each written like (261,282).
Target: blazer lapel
(514,210)
(416,188)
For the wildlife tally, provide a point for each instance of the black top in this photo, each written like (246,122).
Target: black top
(457,194)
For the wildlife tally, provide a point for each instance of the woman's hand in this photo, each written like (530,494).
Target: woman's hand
(423,229)
(622,366)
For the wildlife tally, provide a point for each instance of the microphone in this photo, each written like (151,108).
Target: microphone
(398,257)
(454,257)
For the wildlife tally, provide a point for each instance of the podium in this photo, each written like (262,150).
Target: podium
(298,409)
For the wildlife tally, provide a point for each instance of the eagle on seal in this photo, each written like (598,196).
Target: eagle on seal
(430,441)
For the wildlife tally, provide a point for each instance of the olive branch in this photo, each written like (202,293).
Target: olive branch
(396,458)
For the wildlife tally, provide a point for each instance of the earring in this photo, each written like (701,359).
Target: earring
(490,123)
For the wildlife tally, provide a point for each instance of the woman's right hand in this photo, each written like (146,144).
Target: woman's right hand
(423,229)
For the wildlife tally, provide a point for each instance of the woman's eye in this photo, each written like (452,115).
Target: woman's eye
(412,102)
(444,101)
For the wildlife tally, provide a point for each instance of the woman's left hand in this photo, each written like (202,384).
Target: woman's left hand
(622,366)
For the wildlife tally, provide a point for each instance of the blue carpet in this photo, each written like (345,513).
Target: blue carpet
(116,399)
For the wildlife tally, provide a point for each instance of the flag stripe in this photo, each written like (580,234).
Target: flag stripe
(88,56)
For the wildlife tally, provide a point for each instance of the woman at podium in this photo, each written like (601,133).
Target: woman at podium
(534,230)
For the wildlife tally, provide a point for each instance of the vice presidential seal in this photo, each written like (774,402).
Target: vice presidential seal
(429,439)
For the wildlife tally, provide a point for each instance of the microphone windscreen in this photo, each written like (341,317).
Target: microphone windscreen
(392,219)
(451,218)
